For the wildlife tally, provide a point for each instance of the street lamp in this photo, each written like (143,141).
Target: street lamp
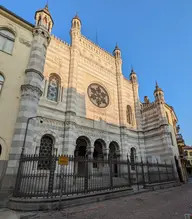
(26,129)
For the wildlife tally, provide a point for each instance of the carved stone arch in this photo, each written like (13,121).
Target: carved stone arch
(37,139)
(4,150)
(1,73)
(103,143)
(55,74)
(9,28)
(54,87)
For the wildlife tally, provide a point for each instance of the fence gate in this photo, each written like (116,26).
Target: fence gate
(60,175)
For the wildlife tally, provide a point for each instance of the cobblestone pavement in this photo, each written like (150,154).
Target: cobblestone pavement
(170,203)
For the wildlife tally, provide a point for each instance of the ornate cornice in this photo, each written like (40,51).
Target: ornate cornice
(43,32)
(30,90)
(35,71)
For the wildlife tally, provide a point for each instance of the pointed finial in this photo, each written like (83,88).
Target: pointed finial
(46,6)
(157,88)
(116,47)
(77,17)
(132,70)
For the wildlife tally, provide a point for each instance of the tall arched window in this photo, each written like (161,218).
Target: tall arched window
(133,158)
(7,40)
(129,115)
(0,149)
(2,79)
(53,87)
(45,152)
(167,117)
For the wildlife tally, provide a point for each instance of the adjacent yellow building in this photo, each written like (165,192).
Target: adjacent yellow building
(188,155)
(15,46)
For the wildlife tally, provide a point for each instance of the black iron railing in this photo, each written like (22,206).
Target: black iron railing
(80,175)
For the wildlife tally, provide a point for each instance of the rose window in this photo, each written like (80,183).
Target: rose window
(98,95)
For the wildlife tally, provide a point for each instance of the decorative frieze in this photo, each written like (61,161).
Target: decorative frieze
(30,90)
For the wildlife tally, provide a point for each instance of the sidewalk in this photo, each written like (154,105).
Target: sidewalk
(171,203)
(5,213)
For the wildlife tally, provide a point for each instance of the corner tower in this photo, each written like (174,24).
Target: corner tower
(135,87)
(159,95)
(160,101)
(71,106)
(119,78)
(31,92)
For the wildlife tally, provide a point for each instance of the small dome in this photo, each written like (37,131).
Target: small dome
(46,11)
(157,88)
(132,72)
(77,17)
(116,48)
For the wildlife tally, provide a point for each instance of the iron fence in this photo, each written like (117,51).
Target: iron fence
(44,177)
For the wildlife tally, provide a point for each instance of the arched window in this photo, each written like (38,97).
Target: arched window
(53,87)
(129,115)
(0,149)
(45,20)
(39,20)
(45,152)
(167,117)
(49,26)
(2,79)
(133,158)
(7,40)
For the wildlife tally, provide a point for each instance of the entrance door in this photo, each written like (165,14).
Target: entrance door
(81,163)
(80,153)
(114,157)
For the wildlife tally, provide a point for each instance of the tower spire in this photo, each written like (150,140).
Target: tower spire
(132,70)
(47,5)
(156,84)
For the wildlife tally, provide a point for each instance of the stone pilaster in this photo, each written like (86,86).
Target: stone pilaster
(135,87)
(71,103)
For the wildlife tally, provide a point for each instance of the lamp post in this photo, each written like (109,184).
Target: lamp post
(26,129)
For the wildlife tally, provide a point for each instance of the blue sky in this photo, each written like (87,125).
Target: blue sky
(154,36)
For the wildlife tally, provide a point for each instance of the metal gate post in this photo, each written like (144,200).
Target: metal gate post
(86,175)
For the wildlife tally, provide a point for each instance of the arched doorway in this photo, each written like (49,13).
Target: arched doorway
(82,144)
(45,151)
(98,154)
(114,155)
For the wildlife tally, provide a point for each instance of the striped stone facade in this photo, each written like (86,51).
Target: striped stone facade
(71,114)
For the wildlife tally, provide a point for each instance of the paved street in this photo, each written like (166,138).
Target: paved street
(171,203)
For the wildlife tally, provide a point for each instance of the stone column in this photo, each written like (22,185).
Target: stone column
(90,158)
